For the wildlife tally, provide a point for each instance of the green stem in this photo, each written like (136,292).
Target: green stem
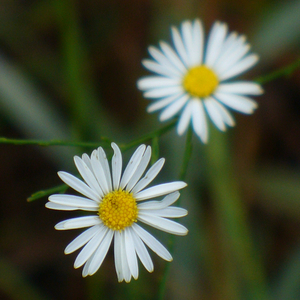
(237,245)
(182,174)
(4,140)
(105,142)
(285,71)
(150,135)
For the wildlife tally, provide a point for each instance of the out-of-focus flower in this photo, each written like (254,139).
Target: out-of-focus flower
(193,79)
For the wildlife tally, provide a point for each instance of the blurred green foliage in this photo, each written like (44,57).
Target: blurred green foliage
(68,72)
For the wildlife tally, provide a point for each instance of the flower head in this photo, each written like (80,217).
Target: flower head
(193,79)
(118,206)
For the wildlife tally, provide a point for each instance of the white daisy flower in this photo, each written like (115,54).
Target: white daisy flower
(117,203)
(193,79)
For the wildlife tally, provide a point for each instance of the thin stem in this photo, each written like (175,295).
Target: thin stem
(4,140)
(182,174)
(285,71)
(148,136)
(105,142)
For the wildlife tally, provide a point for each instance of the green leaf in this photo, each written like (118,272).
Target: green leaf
(43,193)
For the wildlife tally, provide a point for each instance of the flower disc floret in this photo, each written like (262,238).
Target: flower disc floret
(118,210)
(200,81)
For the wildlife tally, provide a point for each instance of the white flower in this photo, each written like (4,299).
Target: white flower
(194,78)
(116,201)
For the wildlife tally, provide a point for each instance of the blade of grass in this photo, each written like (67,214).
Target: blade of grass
(155,149)
(84,107)
(232,216)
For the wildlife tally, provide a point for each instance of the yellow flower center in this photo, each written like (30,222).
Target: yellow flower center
(118,210)
(200,81)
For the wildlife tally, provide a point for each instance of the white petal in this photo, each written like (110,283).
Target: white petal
(232,59)
(198,43)
(159,69)
(82,239)
(87,161)
(240,67)
(87,175)
(78,185)
(118,255)
(179,45)
(125,265)
(162,224)
(226,116)
(167,201)
(185,118)
(152,82)
(104,163)
(215,42)
(90,247)
(162,103)
(241,88)
(71,200)
(199,120)
(130,254)
(164,92)
(163,60)
(142,252)
(159,190)
(237,102)
(85,270)
(150,175)
(80,222)
(132,165)
(173,57)
(187,36)
(214,113)
(173,108)
(116,165)
(100,253)
(152,242)
(56,206)
(232,43)
(168,212)
(140,169)
(99,172)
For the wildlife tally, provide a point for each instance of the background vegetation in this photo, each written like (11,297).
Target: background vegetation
(68,71)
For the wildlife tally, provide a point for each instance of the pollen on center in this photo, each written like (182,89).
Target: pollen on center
(200,81)
(118,210)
